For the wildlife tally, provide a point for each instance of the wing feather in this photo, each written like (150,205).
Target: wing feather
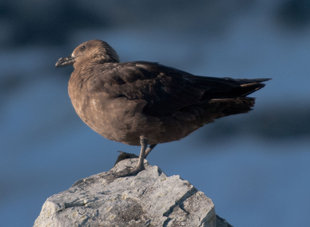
(167,90)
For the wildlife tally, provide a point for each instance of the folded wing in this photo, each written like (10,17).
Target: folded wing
(168,91)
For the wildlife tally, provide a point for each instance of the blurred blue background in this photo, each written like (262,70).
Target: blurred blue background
(255,167)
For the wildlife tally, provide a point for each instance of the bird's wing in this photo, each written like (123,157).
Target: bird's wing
(167,90)
(164,90)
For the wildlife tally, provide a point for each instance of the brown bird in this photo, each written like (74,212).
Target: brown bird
(145,103)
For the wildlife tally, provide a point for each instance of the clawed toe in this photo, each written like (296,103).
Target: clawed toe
(128,172)
(124,155)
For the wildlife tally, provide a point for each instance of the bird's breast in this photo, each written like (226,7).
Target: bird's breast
(117,118)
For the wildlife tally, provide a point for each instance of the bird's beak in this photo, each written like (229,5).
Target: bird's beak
(65,61)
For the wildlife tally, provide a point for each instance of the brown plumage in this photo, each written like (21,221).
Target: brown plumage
(141,103)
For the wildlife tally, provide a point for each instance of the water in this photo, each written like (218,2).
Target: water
(253,181)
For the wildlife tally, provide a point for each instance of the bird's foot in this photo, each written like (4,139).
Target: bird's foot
(124,155)
(129,172)
(140,165)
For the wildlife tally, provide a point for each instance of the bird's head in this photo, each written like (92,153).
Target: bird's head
(90,51)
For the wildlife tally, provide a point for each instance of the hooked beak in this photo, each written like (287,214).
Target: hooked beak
(65,61)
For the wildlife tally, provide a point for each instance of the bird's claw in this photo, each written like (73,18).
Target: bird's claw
(129,172)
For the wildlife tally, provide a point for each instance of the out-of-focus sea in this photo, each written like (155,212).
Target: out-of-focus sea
(254,177)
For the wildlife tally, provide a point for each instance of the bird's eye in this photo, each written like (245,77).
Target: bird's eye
(82,48)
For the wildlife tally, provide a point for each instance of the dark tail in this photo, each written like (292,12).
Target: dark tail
(231,97)
(227,87)
(229,106)
(247,87)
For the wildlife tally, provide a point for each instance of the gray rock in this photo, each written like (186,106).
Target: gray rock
(148,199)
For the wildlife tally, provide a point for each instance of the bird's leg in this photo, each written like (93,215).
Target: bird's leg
(149,149)
(124,155)
(142,155)
(140,165)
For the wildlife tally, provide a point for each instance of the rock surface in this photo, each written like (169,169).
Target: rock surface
(148,199)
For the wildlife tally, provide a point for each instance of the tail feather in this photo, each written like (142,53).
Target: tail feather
(227,87)
(229,106)
(234,101)
(221,97)
(249,86)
